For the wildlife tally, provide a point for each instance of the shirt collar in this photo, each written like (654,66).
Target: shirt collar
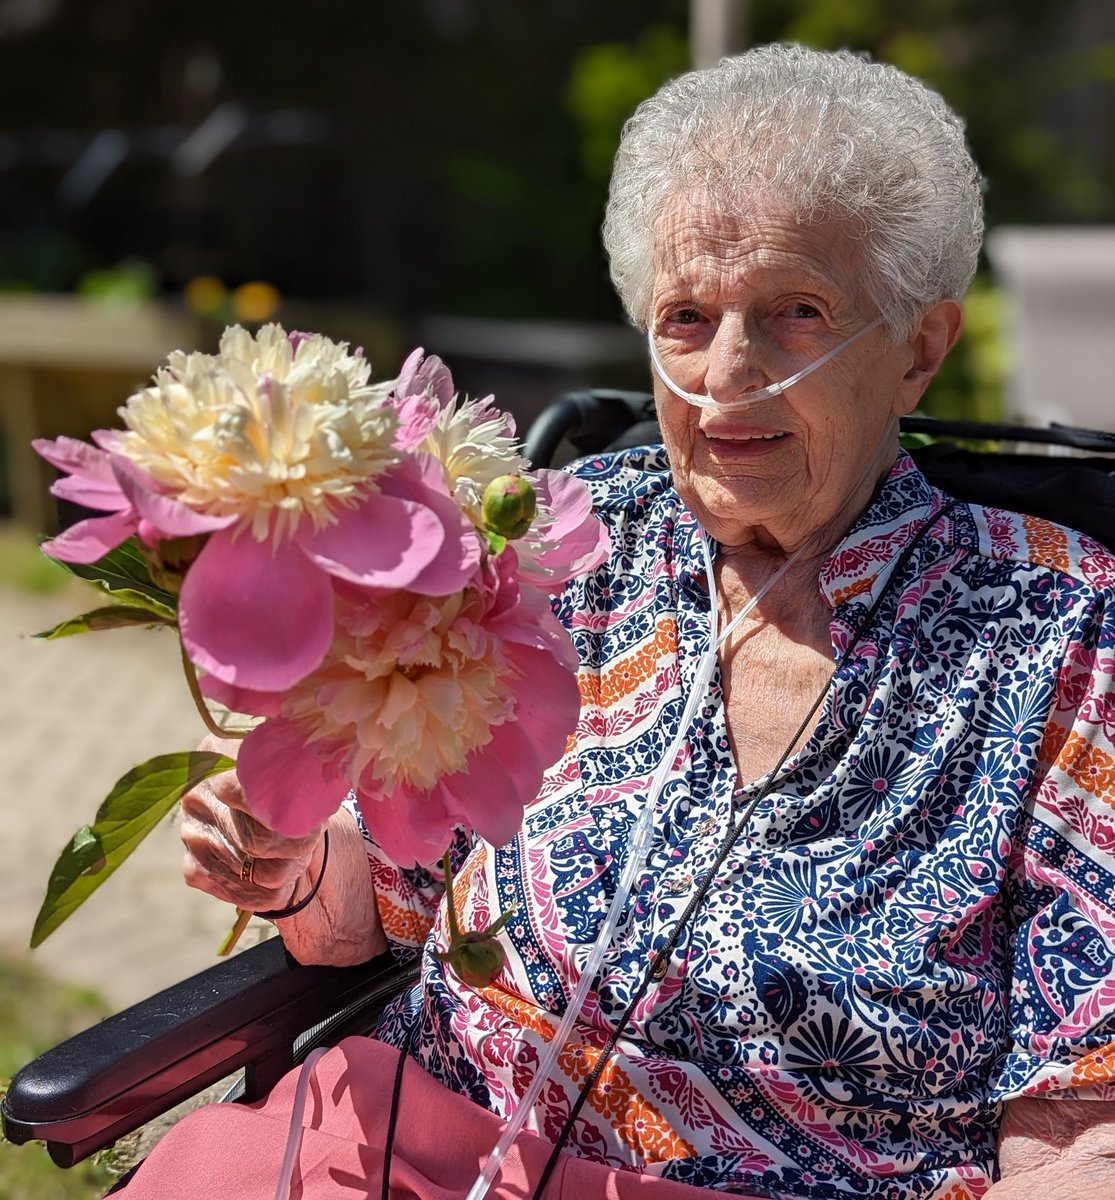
(854,570)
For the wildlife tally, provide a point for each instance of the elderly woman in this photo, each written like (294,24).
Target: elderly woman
(868,950)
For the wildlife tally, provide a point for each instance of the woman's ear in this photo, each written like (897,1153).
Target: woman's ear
(936,334)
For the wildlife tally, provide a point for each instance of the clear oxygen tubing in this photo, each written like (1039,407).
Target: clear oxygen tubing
(704,400)
(643,832)
(636,860)
(294,1130)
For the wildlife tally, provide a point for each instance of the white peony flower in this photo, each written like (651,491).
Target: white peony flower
(270,429)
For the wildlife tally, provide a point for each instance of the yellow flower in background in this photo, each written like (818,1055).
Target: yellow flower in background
(206,295)
(255,302)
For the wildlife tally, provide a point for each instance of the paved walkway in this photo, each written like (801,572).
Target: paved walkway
(74,716)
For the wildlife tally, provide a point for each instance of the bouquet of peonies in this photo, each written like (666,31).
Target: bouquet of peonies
(363,567)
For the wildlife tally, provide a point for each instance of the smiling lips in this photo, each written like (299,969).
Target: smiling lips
(743,435)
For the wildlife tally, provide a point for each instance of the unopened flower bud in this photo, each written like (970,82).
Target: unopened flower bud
(508,506)
(476,959)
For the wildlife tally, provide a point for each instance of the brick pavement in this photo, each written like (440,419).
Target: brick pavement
(75,715)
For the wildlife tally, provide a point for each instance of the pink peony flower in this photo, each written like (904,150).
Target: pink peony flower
(108,483)
(439,711)
(423,388)
(279,450)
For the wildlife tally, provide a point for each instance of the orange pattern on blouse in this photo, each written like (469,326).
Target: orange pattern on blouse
(1046,544)
(638,1124)
(616,682)
(1096,1067)
(1089,766)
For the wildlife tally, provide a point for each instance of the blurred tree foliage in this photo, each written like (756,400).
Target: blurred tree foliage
(452,155)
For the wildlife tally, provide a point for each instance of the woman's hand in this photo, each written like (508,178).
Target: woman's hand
(231,855)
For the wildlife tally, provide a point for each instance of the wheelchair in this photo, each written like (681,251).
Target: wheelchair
(261,1012)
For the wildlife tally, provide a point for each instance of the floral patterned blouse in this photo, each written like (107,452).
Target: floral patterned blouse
(918,922)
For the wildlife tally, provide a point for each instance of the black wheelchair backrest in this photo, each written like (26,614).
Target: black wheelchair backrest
(1071,481)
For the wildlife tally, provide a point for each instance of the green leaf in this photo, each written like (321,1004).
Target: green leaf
(137,803)
(116,616)
(123,570)
(137,599)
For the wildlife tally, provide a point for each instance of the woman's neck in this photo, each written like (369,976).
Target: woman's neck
(742,574)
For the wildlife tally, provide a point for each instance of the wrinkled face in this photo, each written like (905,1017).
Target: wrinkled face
(740,303)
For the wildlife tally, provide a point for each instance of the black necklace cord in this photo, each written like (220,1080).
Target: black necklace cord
(662,955)
(393,1113)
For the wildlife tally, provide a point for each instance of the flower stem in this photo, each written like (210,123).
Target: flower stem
(199,700)
(450,901)
(243,916)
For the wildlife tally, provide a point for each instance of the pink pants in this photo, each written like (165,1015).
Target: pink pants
(442,1140)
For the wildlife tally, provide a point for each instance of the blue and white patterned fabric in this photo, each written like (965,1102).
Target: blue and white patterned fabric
(919,921)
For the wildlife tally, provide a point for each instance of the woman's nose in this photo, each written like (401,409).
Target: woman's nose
(735,360)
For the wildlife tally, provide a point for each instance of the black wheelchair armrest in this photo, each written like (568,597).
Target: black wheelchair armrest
(247,1011)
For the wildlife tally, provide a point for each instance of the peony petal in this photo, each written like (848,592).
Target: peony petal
(573,541)
(412,828)
(486,798)
(90,493)
(422,479)
(422,375)
(578,552)
(422,468)
(257,616)
(286,786)
(240,699)
(166,515)
(87,541)
(417,417)
(384,542)
(504,777)
(75,458)
(498,781)
(565,497)
(547,701)
(532,623)
(108,440)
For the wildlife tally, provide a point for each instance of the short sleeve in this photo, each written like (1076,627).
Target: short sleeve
(1062,889)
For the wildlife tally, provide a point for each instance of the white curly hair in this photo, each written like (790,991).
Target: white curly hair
(831,134)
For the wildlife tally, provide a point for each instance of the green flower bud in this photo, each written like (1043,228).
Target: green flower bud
(508,506)
(476,959)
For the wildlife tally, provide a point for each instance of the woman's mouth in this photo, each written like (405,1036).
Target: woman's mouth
(744,438)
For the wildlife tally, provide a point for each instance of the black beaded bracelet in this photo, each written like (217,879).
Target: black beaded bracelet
(277,914)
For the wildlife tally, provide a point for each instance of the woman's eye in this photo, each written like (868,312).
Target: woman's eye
(801,311)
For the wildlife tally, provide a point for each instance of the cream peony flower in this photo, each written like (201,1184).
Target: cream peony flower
(410,687)
(475,443)
(279,438)
(270,430)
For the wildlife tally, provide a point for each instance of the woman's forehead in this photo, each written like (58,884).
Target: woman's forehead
(700,243)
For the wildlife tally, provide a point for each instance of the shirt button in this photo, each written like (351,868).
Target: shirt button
(677,886)
(707,826)
(660,969)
